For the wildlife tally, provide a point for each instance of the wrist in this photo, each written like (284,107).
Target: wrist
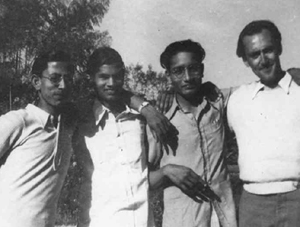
(143,105)
(166,172)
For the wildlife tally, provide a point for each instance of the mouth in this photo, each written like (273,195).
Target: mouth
(266,68)
(189,87)
(111,91)
(60,95)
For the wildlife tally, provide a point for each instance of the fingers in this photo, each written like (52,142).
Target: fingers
(206,191)
(160,102)
(198,189)
(164,101)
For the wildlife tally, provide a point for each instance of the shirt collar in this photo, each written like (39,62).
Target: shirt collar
(42,115)
(100,111)
(284,84)
(176,106)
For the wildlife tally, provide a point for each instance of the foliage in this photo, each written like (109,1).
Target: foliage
(148,83)
(29,27)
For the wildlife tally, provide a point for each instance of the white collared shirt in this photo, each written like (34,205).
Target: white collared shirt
(267,126)
(33,167)
(119,178)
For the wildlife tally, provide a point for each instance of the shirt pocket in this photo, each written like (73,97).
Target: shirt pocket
(133,143)
(212,121)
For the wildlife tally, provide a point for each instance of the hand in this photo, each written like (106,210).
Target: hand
(295,73)
(165,100)
(210,90)
(158,123)
(190,183)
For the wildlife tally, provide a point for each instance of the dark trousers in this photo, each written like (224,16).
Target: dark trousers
(275,210)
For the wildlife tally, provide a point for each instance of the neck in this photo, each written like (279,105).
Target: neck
(189,102)
(274,83)
(116,107)
(55,111)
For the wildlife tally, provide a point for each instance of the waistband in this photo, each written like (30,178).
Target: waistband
(271,187)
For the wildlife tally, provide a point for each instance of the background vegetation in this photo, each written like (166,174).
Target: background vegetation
(28,27)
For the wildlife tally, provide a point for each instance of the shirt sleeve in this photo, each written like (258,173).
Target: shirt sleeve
(227,92)
(154,150)
(229,115)
(11,130)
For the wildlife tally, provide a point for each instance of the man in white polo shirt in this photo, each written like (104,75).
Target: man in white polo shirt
(265,116)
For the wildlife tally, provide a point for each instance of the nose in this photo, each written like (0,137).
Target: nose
(263,58)
(62,84)
(111,81)
(187,75)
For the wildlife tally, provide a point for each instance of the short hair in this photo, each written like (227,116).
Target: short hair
(103,56)
(181,46)
(256,27)
(42,60)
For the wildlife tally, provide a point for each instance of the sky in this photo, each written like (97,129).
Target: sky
(141,30)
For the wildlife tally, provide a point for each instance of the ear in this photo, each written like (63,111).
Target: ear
(202,65)
(36,82)
(167,73)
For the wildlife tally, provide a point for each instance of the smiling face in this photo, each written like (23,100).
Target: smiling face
(108,81)
(186,74)
(53,95)
(262,56)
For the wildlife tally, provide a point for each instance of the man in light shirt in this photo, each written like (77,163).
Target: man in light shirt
(193,172)
(265,118)
(112,151)
(35,146)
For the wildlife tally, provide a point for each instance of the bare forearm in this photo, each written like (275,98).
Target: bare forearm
(159,179)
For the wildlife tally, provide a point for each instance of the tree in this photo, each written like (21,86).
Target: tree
(29,27)
(148,83)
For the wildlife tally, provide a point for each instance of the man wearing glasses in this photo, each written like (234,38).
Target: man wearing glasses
(197,190)
(35,146)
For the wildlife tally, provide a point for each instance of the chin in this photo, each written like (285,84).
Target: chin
(113,98)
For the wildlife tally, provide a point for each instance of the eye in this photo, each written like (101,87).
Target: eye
(55,77)
(177,70)
(102,76)
(254,55)
(269,50)
(196,68)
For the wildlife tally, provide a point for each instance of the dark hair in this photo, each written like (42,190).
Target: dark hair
(103,56)
(256,27)
(41,62)
(181,46)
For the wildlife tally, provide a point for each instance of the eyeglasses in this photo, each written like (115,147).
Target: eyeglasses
(194,70)
(57,78)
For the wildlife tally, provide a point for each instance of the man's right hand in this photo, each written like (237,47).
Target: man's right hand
(189,182)
(295,73)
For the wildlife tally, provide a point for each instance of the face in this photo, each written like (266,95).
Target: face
(262,56)
(52,92)
(186,74)
(108,81)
